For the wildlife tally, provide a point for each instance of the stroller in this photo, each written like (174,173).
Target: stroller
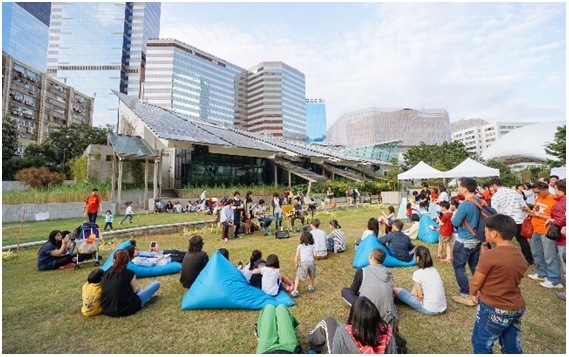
(86,244)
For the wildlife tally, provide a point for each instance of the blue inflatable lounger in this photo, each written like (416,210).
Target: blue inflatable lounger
(370,243)
(425,233)
(141,271)
(221,285)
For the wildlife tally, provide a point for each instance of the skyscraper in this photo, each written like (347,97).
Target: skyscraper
(98,47)
(25,32)
(315,119)
(193,82)
(275,100)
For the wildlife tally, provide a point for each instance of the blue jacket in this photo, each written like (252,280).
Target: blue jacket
(466,210)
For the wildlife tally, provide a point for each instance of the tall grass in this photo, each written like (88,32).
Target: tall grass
(55,194)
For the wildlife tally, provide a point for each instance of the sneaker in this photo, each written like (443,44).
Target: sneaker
(240,265)
(464,300)
(226,239)
(255,332)
(294,294)
(548,284)
(536,277)
(447,261)
(120,223)
(311,288)
(560,296)
(290,289)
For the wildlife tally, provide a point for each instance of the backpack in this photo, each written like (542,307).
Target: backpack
(485,212)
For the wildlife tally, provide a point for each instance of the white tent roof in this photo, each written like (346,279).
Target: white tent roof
(471,168)
(420,171)
(559,171)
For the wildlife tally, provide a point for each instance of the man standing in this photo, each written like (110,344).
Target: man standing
(544,249)
(93,206)
(466,247)
(237,211)
(509,202)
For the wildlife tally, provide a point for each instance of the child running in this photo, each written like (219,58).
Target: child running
(304,262)
(273,281)
(398,243)
(128,213)
(91,294)
(109,220)
(428,293)
(445,233)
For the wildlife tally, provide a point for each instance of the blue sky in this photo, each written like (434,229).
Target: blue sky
(495,61)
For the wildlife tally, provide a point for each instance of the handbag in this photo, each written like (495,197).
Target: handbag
(282,234)
(527,228)
(553,232)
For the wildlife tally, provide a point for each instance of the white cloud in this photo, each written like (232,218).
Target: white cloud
(475,60)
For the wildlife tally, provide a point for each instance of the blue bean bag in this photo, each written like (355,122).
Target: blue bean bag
(140,271)
(425,234)
(221,285)
(370,243)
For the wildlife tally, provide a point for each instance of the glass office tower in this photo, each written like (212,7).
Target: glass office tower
(275,100)
(98,47)
(25,32)
(193,82)
(315,119)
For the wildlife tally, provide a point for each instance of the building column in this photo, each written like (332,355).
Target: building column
(289,178)
(113,175)
(155,181)
(276,175)
(119,189)
(145,184)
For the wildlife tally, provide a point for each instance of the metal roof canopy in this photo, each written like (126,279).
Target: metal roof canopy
(345,174)
(367,171)
(132,147)
(299,171)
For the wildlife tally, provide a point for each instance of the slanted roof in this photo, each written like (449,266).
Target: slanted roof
(237,139)
(132,147)
(299,171)
(367,171)
(343,173)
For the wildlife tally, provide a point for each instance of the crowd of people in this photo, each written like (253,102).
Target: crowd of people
(496,265)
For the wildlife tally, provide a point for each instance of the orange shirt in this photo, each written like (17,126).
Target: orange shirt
(93,203)
(434,196)
(543,207)
(487,195)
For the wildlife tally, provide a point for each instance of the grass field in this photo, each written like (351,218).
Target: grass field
(41,310)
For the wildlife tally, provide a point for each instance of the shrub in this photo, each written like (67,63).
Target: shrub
(12,166)
(78,168)
(39,177)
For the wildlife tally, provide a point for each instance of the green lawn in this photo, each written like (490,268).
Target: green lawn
(41,310)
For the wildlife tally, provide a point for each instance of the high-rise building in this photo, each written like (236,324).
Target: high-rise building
(315,119)
(39,103)
(479,135)
(275,100)
(193,82)
(25,32)
(371,126)
(98,47)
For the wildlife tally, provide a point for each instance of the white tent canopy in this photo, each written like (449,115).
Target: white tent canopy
(471,168)
(559,171)
(420,171)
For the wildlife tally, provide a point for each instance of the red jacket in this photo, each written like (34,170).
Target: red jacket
(558,214)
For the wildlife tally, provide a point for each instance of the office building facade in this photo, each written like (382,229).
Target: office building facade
(315,119)
(98,47)
(276,100)
(371,126)
(39,103)
(193,82)
(479,136)
(25,32)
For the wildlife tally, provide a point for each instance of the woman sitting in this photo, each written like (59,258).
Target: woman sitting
(169,207)
(53,253)
(364,332)
(120,296)
(372,229)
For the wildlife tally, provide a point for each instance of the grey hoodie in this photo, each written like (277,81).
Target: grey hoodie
(377,285)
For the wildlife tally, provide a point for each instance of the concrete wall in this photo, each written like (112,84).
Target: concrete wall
(17,185)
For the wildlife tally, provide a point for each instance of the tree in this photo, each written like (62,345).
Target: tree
(508,177)
(557,148)
(442,157)
(65,143)
(10,137)
(391,175)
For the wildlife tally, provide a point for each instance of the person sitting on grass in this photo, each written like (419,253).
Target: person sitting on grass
(375,282)
(364,332)
(304,262)
(273,281)
(319,237)
(398,243)
(428,293)
(387,219)
(53,254)
(275,331)
(119,295)
(91,294)
(495,286)
(194,262)
(413,231)
(336,240)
